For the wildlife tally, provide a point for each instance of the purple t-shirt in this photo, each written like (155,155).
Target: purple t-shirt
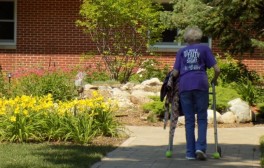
(192,62)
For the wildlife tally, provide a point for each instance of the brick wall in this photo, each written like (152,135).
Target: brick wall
(254,61)
(46,32)
(47,35)
(48,27)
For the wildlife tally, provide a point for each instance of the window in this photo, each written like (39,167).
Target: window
(168,43)
(7,24)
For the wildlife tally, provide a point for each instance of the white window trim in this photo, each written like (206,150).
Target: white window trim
(172,46)
(11,45)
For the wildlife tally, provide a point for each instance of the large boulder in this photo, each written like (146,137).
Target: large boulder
(229,118)
(241,109)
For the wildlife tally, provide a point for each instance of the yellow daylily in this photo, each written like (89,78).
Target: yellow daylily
(13,119)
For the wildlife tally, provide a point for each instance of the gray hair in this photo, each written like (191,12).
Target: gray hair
(193,34)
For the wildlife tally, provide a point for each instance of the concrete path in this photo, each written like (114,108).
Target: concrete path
(146,148)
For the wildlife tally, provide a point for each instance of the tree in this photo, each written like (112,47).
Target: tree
(185,13)
(121,31)
(257,43)
(237,24)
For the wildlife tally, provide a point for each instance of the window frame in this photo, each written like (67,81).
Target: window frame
(12,43)
(172,46)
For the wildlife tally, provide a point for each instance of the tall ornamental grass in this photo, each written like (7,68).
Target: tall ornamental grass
(39,118)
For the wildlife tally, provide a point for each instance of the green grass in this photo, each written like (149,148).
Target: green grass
(262,151)
(46,155)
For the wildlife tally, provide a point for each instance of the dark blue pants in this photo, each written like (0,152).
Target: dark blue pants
(192,102)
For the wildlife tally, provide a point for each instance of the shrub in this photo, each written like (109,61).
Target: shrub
(97,76)
(28,118)
(150,68)
(261,109)
(152,117)
(119,30)
(22,118)
(39,82)
(234,71)
(247,90)
(234,74)
(4,85)
(222,98)
(260,93)
(98,73)
(156,107)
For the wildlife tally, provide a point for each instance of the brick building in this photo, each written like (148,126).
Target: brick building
(43,33)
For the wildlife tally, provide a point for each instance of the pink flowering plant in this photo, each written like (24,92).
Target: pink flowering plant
(39,81)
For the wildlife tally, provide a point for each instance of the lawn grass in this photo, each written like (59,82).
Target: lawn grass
(46,155)
(262,151)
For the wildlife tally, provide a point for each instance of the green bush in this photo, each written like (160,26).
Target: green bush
(235,71)
(152,117)
(234,74)
(150,68)
(39,82)
(261,109)
(4,85)
(223,96)
(247,90)
(31,119)
(96,76)
(156,107)
(260,93)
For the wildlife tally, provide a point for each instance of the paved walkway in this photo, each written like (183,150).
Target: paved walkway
(146,148)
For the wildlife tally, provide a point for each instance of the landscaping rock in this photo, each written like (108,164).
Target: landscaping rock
(140,97)
(210,114)
(131,95)
(128,86)
(151,82)
(181,120)
(241,109)
(229,118)
(106,91)
(122,97)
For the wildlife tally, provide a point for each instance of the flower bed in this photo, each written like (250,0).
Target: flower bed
(31,118)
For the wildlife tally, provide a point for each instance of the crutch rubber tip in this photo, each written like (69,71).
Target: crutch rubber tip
(168,154)
(216,155)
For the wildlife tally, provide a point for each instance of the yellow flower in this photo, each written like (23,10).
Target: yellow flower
(17,110)
(2,112)
(95,94)
(13,119)
(25,112)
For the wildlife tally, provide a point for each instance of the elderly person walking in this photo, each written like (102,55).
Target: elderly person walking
(191,64)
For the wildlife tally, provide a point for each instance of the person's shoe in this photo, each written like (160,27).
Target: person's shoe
(200,155)
(190,158)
